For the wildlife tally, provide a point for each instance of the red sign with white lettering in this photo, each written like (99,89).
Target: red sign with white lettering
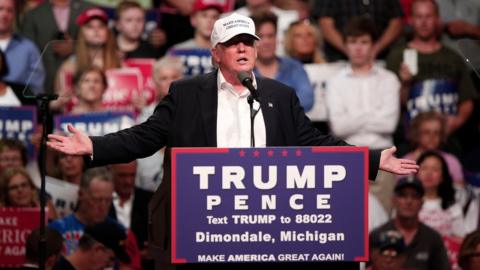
(15,226)
(145,65)
(124,85)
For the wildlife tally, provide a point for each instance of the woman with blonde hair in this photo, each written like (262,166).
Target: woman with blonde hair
(96,46)
(303,41)
(17,190)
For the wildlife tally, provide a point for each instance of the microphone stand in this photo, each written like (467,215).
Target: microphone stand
(253,113)
(44,100)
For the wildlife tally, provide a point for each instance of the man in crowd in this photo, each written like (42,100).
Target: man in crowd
(23,57)
(440,81)
(130,204)
(424,246)
(99,247)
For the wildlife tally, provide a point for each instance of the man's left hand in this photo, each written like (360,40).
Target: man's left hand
(390,163)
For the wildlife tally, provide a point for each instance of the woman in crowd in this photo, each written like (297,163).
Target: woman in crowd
(440,210)
(70,168)
(96,46)
(303,42)
(428,132)
(17,190)
(89,85)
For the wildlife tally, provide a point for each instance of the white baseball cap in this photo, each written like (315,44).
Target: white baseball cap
(230,26)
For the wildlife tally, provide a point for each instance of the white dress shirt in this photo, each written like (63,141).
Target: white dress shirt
(123,212)
(233,117)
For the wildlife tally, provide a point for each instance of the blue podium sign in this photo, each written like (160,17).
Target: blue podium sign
(269,204)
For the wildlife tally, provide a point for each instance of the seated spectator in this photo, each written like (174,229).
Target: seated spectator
(89,84)
(424,248)
(165,70)
(130,25)
(94,200)
(440,81)
(23,57)
(99,247)
(130,204)
(283,69)
(469,256)
(70,168)
(428,132)
(303,42)
(440,210)
(95,46)
(53,252)
(363,99)
(150,170)
(203,16)
(17,190)
(387,251)
(13,154)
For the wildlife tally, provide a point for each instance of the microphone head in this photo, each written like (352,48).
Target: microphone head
(243,76)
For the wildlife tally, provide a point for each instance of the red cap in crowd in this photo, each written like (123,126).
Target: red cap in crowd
(92,13)
(199,5)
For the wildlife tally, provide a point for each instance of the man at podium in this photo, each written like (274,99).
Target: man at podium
(212,110)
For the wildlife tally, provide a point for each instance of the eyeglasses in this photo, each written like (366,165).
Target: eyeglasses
(16,187)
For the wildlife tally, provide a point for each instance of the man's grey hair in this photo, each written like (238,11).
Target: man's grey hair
(100,173)
(169,61)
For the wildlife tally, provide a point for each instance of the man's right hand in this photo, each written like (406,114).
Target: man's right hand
(76,144)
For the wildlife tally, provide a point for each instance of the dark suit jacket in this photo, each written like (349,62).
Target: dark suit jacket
(40,26)
(187,118)
(138,216)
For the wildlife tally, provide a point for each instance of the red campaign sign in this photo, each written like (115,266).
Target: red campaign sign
(123,85)
(145,65)
(15,226)
(66,84)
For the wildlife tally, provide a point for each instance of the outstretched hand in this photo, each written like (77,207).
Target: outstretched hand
(390,163)
(76,144)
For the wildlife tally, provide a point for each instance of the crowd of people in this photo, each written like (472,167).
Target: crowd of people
(372,73)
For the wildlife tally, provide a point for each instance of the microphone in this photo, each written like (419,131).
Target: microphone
(246,81)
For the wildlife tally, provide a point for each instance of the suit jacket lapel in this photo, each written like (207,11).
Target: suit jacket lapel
(208,99)
(268,112)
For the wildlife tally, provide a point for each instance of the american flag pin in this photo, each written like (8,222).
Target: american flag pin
(270,105)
